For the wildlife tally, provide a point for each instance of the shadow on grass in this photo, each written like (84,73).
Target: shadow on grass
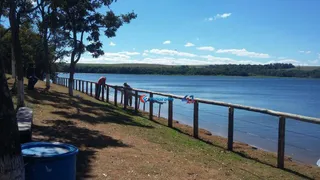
(90,111)
(88,141)
(242,154)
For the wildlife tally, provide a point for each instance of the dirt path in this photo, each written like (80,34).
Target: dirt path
(115,144)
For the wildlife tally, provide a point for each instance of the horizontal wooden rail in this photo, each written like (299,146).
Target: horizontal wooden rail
(235,106)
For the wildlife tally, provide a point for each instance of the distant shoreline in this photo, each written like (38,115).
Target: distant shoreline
(267,70)
(269,77)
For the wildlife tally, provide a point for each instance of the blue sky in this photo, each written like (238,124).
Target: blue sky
(216,32)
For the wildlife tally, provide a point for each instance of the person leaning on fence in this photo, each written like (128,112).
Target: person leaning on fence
(129,93)
(101,83)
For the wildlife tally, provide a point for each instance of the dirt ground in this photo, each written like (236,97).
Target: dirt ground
(118,144)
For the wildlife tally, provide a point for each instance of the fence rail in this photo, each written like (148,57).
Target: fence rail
(231,108)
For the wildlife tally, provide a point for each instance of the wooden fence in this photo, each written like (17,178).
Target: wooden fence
(79,85)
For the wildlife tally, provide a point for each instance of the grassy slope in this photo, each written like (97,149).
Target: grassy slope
(165,152)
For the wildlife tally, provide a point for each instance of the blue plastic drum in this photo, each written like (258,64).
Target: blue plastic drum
(46,161)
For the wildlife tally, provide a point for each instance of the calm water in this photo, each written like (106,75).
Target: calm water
(299,96)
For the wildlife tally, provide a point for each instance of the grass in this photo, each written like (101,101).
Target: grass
(118,144)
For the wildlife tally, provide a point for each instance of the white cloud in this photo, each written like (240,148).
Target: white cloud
(129,53)
(313,61)
(222,16)
(210,19)
(306,52)
(167,42)
(112,44)
(243,52)
(189,44)
(219,16)
(144,54)
(206,48)
(171,52)
(292,61)
(282,57)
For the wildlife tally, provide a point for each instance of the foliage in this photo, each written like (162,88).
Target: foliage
(278,69)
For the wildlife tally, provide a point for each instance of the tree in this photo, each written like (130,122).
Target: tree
(19,11)
(81,18)
(11,161)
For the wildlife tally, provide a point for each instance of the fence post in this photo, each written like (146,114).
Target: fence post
(170,113)
(196,119)
(136,101)
(151,107)
(90,88)
(230,129)
(83,86)
(125,99)
(159,113)
(107,93)
(115,95)
(281,142)
(102,91)
(79,88)
(87,87)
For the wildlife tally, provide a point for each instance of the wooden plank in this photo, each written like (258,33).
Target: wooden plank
(170,114)
(125,93)
(151,107)
(159,113)
(87,83)
(281,142)
(108,93)
(196,119)
(90,88)
(136,107)
(102,92)
(235,106)
(83,86)
(230,128)
(115,95)
(247,108)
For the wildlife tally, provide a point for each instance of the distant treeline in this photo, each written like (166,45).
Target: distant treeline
(277,69)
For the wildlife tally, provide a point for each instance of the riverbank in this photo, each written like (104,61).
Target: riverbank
(118,144)
(272,70)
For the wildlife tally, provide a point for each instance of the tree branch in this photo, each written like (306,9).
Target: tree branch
(32,9)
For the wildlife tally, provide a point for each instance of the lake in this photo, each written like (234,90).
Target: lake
(292,95)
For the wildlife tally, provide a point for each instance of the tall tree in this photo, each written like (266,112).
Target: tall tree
(45,12)
(18,10)
(11,161)
(82,18)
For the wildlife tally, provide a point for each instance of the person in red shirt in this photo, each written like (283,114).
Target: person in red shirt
(101,82)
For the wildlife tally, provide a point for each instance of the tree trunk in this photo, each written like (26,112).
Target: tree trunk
(48,80)
(14,23)
(11,161)
(71,76)
(13,72)
(13,63)
(46,53)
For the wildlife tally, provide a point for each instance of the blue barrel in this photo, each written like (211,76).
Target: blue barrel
(46,161)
